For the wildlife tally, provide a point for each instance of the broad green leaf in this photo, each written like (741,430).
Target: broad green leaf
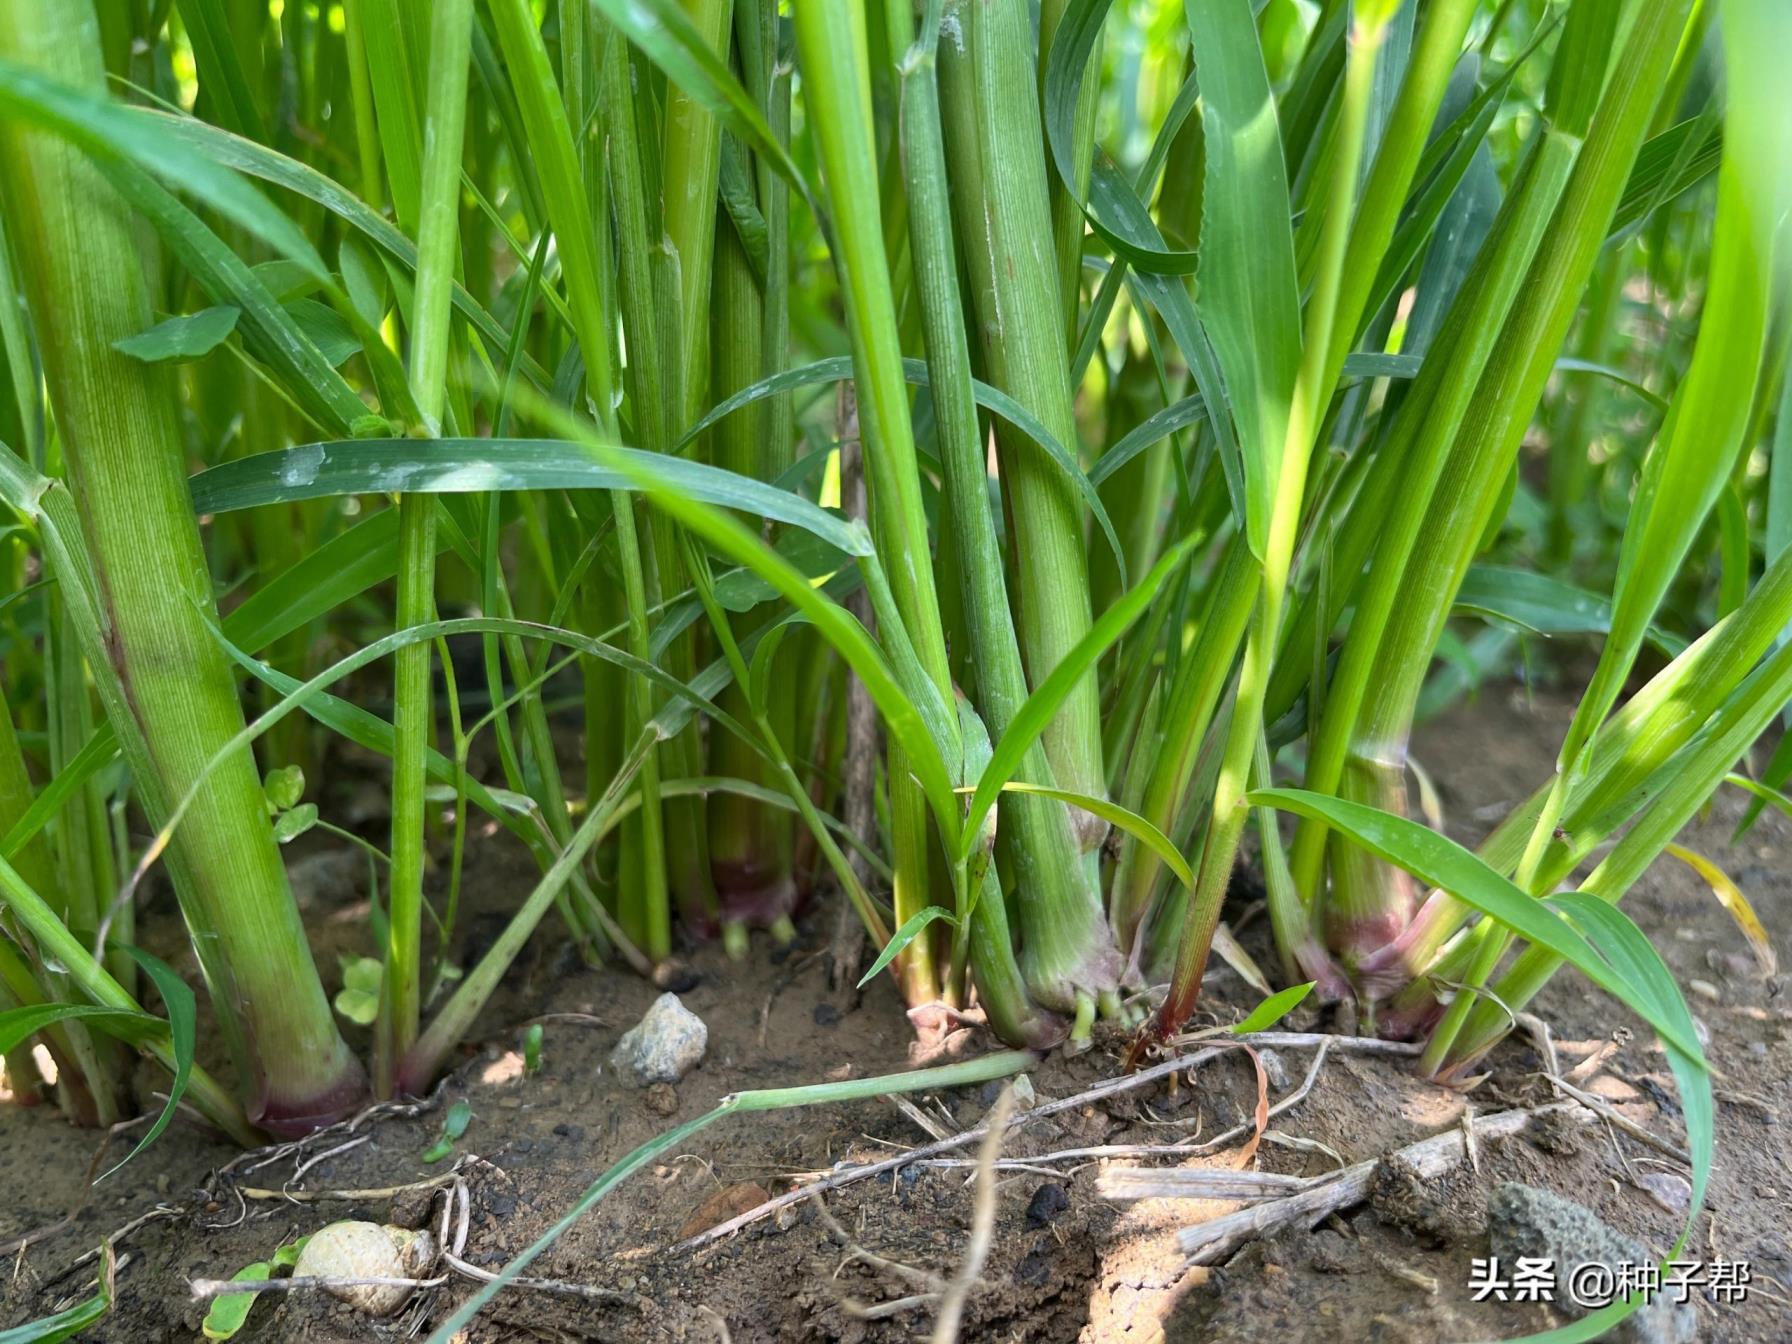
(326,330)
(1544,605)
(110,132)
(289,826)
(185,337)
(65,1324)
(1650,991)
(1439,861)
(18,1025)
(230,1311)
(233,151)
(1273,1009)
(471,466)
(266,329)
(1246,291)
(333,573)
(286,280)
(284,787)
(1078,30)
(903,937)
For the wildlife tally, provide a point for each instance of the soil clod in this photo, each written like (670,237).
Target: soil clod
(1526,1222)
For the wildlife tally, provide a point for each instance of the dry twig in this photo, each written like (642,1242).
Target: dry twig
(983,1223)
(848,1175)
(1320,1196)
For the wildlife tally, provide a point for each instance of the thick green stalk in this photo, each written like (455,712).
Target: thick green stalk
(690,172)
(1686,468)
(1360,918)
(831,41)
(122,443)
(650,368)
(1195,695)
(749,843)
(414,720)
(1493,425)
(1068,950)
(1312,389)
(997,164)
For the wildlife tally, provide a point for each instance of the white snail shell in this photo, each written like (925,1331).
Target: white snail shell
(357,1250)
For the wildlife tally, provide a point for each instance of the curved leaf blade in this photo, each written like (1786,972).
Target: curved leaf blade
(1439,861)
(475,466)
(911,927)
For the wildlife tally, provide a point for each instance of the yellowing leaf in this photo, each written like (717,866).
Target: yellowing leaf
(1730,896)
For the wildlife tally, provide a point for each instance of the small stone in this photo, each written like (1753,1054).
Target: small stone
(1048,1203)
(664,1046)
(787,1217)
(1668,1189)
(1703,988)
(662,1099)
(826,1015)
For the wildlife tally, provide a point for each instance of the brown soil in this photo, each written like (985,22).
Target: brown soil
(1066,1265)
